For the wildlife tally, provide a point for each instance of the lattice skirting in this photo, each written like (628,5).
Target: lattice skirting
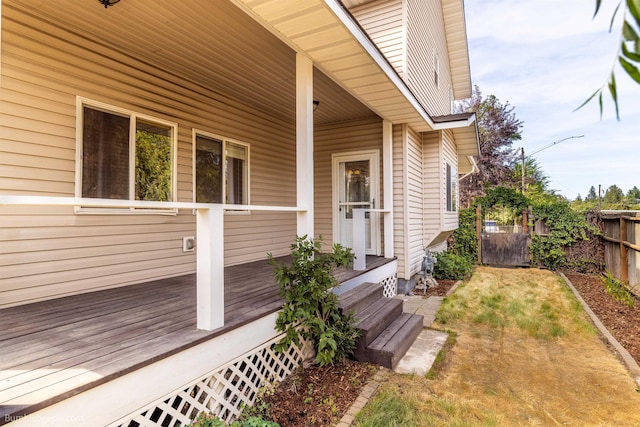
(390,286)
(224,391)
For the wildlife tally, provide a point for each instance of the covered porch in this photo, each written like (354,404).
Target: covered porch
(56,349)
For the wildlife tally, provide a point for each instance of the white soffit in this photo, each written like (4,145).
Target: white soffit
(456,34)
(326,32)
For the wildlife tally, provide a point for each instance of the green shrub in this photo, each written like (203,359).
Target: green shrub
(452,266)
(617,289)
(463,241)
(311,308)
(208,420)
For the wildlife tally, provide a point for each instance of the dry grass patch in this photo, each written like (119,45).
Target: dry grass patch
(525,354)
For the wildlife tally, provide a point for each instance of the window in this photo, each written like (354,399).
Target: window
(125,156)
(221,170)
(452,188)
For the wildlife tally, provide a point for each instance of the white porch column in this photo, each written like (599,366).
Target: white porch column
(210,268)
(387,183)
(359,250)
(304,144)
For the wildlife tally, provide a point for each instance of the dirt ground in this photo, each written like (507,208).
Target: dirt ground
(622,321)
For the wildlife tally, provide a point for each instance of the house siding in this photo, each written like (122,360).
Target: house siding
(49,252)
(431,155)
(426,35)
(384,23)
(415,192)
(334,139)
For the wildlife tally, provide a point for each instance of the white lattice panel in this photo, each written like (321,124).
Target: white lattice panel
(390,286)
(224,391)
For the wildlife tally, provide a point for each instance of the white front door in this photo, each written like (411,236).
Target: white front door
(355,185)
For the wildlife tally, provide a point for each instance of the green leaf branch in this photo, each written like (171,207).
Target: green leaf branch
(628,55)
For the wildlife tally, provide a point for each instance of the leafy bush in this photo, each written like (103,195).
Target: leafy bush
(208,420)
(463,241)
(311,308)
(566,228)
(617,289)
(451,266)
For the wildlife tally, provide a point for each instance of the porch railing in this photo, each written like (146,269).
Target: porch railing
(210,241)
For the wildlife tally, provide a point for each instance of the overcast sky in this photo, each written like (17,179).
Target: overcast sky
(546,57)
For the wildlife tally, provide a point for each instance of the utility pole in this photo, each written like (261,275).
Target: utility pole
(522,156)
(599,192)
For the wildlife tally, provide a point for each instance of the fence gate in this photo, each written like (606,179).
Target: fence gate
(503,246)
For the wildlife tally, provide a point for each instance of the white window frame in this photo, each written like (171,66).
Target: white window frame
(451,187)
(225,141)
(133,117)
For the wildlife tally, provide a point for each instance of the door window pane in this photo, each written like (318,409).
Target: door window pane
(105,155)
(357,186)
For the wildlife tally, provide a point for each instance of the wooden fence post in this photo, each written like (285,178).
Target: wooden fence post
(624,258)
(524,221)
(479,232)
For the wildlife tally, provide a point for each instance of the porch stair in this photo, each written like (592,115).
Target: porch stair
(386,332)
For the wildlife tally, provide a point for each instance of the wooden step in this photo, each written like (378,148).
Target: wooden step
(375,318)
(359,298)
(392,344)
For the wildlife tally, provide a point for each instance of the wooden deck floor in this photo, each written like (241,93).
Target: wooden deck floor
(52,350)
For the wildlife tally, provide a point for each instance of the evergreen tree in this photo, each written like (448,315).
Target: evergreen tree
(591,195)
(613,195)
(633,196)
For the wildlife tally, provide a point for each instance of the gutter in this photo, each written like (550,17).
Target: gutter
(474,168)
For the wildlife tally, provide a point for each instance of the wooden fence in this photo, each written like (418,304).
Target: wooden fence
(621,233)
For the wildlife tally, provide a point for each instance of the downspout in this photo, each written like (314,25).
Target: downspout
(474,168)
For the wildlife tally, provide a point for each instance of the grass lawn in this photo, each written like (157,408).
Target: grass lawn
(523,353)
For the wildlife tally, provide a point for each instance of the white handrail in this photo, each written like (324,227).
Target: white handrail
(144,204)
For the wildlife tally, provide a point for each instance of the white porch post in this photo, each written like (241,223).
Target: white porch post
(304,144)
(359,243)
(387,183)
(210,268)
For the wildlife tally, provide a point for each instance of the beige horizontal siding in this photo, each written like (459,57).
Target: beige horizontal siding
(426,35)
(415,192)
(384,23)
(433,201)
(48,252)
(334,139)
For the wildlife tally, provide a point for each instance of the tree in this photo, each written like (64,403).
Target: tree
(613,195)
(633,196)
(628,52)
(591,195)
(578,198)
(498,128)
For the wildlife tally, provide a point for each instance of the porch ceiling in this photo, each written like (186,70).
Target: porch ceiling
(325,31)
(212,44)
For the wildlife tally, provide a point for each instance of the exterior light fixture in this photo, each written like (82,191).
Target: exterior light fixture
(316,103)
(107,3)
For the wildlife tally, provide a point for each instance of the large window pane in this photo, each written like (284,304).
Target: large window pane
(153,161)
(208,170)
(105,152)
(237,173)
